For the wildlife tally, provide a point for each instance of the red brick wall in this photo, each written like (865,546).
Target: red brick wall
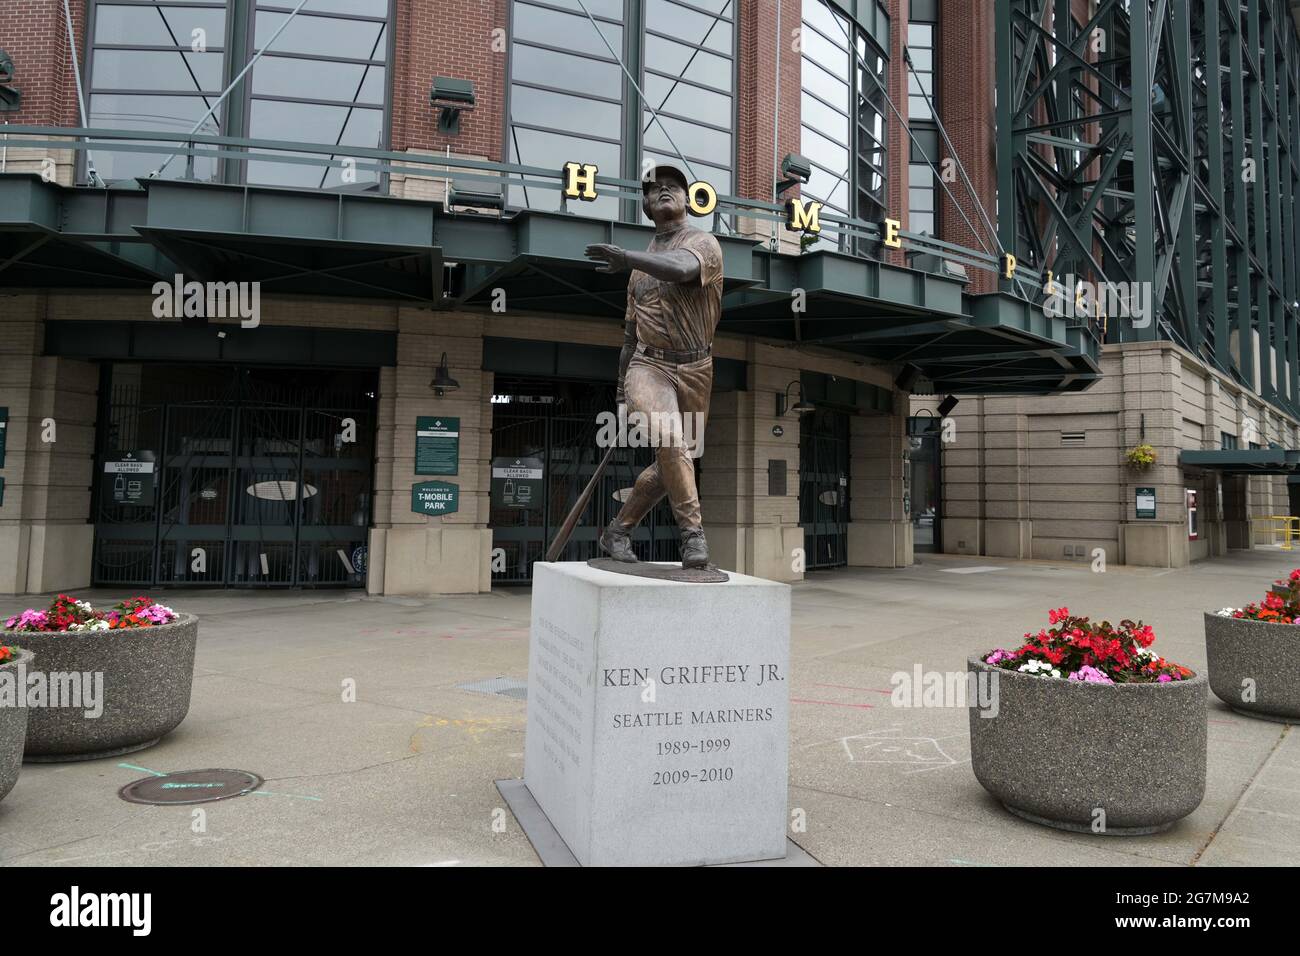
(966,82)
(450,38)
(33,32)
(900,146)
(758,103)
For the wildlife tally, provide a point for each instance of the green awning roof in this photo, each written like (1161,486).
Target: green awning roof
(1244,461)
(350,244)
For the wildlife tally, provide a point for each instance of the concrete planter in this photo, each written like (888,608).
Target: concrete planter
(146,673)
(13,725)
(1058,751)
(1255,659)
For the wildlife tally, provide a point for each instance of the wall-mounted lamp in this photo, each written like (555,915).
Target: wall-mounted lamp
(796,170)
(442,380)
(801,407)
(947,405)
(451,97)
(10,98)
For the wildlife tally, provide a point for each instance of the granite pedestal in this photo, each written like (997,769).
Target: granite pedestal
(658,716)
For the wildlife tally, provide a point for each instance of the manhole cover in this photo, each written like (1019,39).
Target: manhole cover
(504,686)
(191,786)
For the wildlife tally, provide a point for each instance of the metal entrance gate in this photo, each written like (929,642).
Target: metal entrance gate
(556,421)
(824,488)
(233,477)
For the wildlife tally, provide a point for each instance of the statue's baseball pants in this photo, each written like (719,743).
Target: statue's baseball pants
(653,386)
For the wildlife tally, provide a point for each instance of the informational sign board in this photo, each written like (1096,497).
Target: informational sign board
(4,430)
(517,482)
(437,445)
(129,479)
(435,498)
(1146,502)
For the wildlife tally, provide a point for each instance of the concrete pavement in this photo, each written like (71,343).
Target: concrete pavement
(404,775)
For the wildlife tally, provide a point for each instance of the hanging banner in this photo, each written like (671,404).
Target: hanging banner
(437,445)
(4,429)
(129,479)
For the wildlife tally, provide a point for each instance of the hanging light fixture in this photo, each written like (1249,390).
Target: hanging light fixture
(442,380)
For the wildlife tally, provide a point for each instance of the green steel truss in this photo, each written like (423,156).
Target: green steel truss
(1159,142)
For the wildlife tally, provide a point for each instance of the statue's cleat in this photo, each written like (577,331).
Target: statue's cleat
(616,541)
(695,550)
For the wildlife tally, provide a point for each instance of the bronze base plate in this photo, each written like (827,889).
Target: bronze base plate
(662,572)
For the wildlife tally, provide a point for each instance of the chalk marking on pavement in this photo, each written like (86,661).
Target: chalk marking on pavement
(131,766)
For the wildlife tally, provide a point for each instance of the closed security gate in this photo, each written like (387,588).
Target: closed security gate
(233,477)
(824,487)
(550,427)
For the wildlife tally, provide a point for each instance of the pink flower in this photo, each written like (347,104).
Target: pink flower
(1163,679)
(999,656)
(1090,675)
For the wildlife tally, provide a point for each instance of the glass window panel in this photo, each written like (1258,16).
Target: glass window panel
(918,108)
(311,79)
(164,113)
(158,26)
(699,65)
(826,153)
(550,68)
(613,9)
(827,87)
(686,100)
(920,34)
(829,57)
(323,36)
(360,8)
(713,33)
(920,175)
(565,30)
(816,13)
(559,111)
(314,123)
(133,111)
(922,58)
(693,141)
(302,175)
(829,122)
(921,222)
(158,70)
(922,199)
(829,190)
(551,151)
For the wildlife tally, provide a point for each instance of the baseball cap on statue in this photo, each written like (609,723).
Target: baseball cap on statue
(656,171)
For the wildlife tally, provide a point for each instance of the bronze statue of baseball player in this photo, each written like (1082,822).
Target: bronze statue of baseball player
(674,301)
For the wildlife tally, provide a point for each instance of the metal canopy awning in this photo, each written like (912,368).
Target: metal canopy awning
(990,344)
(40,246)
(318,243)
(348,244)
(549,271)
(1244,461)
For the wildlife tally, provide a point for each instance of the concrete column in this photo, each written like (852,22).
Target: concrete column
(751,529)
(880,529)
(413,553)
(1008,528)
(46,539)
(1152,387)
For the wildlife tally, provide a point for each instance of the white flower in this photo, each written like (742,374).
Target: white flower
(1055,672)
(1227,612)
